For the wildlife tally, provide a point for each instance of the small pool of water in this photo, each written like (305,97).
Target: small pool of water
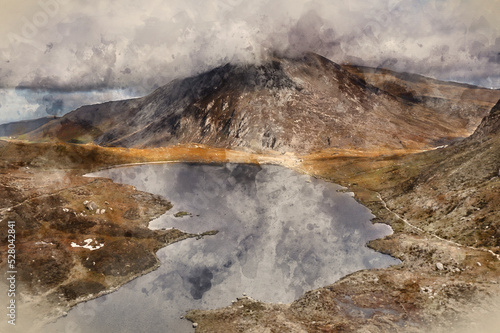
(281,234)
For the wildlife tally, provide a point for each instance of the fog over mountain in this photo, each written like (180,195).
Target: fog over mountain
(129,49)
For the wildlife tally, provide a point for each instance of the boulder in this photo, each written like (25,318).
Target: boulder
(90,205)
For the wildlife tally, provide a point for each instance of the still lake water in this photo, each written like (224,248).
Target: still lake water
(281,234)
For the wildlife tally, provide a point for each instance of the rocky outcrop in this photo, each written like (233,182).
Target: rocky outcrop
(490,125)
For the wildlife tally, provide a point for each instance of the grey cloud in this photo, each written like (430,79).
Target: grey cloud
(53,106)
(125,46)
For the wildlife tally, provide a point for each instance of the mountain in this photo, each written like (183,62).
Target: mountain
(24,126)
(300,105)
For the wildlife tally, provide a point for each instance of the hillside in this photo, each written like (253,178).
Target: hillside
(463,101)
(457,196)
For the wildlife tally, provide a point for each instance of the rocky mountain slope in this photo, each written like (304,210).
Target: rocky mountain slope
(298,105)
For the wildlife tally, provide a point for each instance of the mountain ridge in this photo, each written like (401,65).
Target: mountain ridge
(463,101)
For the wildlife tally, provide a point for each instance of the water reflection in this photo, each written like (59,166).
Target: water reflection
(280,234)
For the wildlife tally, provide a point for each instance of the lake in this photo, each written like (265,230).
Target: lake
(281,233)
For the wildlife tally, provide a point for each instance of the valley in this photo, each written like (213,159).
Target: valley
(441,202)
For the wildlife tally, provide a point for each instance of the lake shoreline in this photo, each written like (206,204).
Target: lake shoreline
(242,171)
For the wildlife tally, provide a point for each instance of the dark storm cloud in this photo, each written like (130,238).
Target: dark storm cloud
(52,106)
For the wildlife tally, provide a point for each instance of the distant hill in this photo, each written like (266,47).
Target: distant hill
(24,126)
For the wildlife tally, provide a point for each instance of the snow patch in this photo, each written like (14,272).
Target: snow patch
(87,245)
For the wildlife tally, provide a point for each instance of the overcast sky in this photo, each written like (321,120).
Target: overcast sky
(79,52)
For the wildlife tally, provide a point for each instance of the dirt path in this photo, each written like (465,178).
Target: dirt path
(399,217)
